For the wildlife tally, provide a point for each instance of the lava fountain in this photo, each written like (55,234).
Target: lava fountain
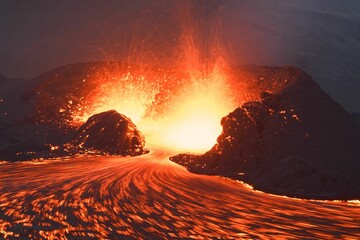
(196,123)
(193,121)
(179,107)
(173,110)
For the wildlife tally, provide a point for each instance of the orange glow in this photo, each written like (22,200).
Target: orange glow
(126,93)
(181,110)
(194,124)
(191,121)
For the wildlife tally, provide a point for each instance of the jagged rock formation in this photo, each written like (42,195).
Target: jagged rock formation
(110,132)
(295,140)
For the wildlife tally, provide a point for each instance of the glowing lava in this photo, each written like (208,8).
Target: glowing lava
(177,111)
(195,123)
(196,131)
(181,111)
(128,93)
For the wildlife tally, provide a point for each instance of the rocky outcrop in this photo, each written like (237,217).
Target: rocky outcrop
(111,133)
(295,140)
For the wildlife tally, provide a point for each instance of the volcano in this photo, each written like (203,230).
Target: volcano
(295,140)
(286,137)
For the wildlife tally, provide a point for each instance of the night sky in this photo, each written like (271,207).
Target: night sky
(320,36)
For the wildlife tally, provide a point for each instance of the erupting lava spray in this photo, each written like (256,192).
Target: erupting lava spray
(195,123)
(182,108)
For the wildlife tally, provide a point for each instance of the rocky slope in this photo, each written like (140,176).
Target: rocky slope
(295,140)
(20,137)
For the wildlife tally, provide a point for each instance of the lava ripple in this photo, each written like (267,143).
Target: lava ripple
(149,197)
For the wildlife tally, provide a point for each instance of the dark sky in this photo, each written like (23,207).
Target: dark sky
(320,36)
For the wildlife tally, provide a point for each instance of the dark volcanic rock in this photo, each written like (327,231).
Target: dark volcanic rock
(294,141)
(33,141)
(110,132)
(21,138)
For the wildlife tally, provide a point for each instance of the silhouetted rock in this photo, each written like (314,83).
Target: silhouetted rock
(110,132)
(294,141)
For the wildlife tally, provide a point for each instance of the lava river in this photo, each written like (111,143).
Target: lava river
(149,197)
